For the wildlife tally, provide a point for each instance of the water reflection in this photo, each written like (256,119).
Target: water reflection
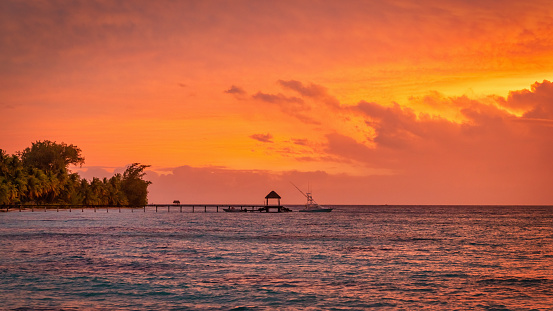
(394,257)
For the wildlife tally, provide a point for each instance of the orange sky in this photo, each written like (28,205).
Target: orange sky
(370,102)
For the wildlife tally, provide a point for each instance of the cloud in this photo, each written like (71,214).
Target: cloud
(313,99)
(264,138)
(278,99)
(213,185)
(487,156)
(395,126)
(483,137)
(536,103)
(235,90)
(89,172)
(312,90)
(348,148)
(488,153)
(220,185)
(300,141)
(290,105)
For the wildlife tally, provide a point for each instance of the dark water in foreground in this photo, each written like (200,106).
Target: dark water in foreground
(429,257)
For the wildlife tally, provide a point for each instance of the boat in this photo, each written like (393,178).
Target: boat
(232,209)
(311,206)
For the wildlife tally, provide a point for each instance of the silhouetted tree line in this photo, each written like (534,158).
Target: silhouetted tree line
(40,175)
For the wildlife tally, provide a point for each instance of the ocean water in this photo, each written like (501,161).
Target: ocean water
(354,258)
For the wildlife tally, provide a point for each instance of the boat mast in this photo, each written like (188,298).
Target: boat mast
(310,200)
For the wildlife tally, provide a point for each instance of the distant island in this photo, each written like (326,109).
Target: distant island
(40,175)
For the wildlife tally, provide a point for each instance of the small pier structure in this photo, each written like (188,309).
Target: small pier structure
(273,208)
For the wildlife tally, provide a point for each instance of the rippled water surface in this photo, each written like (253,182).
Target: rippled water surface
(392,257)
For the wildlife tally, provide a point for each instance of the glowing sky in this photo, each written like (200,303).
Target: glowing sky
(370,102)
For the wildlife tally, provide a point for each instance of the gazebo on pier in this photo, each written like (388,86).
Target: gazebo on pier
(272,195)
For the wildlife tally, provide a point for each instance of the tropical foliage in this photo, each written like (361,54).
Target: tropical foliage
(40,175)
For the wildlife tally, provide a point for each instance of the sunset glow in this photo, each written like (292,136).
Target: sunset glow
(368,102)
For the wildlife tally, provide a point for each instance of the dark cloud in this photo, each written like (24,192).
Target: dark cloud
(277,99)
(235,90)
(300,141)
(264,138)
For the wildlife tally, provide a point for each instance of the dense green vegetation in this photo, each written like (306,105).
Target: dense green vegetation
(40,175)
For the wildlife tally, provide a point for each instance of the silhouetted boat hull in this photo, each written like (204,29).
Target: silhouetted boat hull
(319,210)
(315,208)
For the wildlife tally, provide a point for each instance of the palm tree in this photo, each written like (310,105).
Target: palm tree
(52,187)
(70,190)
(98,190)
(116,195)
(8,191)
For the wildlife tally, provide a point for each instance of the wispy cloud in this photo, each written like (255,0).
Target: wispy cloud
(311,90)
(235,90)
(300,141)
(291,105)
(264,138)
(279,99)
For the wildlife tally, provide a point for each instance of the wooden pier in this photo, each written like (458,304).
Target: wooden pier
(167,207)
(249,208)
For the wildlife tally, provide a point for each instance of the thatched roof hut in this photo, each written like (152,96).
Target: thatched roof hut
(272,195)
